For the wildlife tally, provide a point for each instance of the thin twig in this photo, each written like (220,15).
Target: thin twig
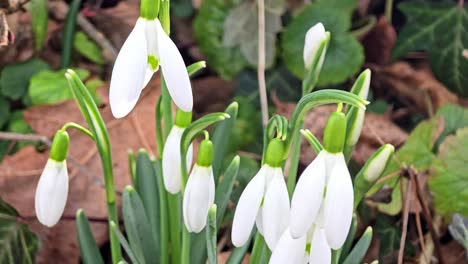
(418,222)
(261,62)
(404,230)
(30,137)
(427,217)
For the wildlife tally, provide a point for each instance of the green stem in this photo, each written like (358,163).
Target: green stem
(164,16)
(159,131)
(149,9)
(163,207)
(166,108)
(79,128)
(295,151)
(114,241)
(258,248)
(388,10)
(174,225)
(185,246)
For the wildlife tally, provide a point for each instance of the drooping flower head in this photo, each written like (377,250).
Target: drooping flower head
(200,190)
(324,192)
(52,188)
(146,48)
(171,159)
(264,201)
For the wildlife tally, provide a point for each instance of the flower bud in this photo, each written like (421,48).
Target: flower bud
(315,48)
(371,172)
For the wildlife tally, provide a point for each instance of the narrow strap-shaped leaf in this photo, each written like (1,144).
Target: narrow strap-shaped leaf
(343,252)
(221,137)
(211,231)
(147,188)
(124,242)
(138,227)
(132,166)
(195,67)
(359,251)
(238,254)
(88,248)
(224,189)
(163,214)
(69,33)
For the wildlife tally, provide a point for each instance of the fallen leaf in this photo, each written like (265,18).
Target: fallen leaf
(378,43)
(20,173)
(417,87)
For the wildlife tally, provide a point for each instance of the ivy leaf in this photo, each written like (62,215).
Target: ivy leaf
(208,27)
(449,179)
(344,55)
(48,87)
(17,243)
(345,5)
(4,111)
(441,29)
(455,117)
(15,77)
(241,30)
(87,48)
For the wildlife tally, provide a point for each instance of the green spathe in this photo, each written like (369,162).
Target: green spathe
(275,153)
(335,133)
(205,153)
(183,119)
(59,149)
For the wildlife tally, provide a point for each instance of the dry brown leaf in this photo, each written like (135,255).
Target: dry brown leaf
(19,173)
(211,94)
(417,87)
(377,130)
(379,42)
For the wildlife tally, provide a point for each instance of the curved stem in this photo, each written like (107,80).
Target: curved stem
(79,128)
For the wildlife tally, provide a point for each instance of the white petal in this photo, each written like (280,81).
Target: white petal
(198,198)
(275,210)
(128,74)
(330,160)
(172,174)
(313,38)
(288,249)
(338,204)
(247,209)
(174,71)
(259,221)
(51,193)
(307,197)
(320,252)
(148,75)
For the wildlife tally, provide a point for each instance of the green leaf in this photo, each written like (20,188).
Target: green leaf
(138,227)
(87,48)
(448,179)
(147,187)
(359,251)
(345,54)
(4,111)
(241,30)
(455,117)
(389,235)
(89,250)
(15,77)
(344,5)
(123,242)
(221,138)
(49,87)
(211,234)
(39,17)
(69,33)
(17,243)
(441,29)
(208,28)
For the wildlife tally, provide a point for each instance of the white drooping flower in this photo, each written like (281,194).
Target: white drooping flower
(146,48)
(51,192)
(309,248)
(264,201)
(171,160)
(313,39)
(198,197)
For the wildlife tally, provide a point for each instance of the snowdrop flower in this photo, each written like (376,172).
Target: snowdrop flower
(146,48)
(315,48)
(200,190)
(265,201)
(171,163)
(324,192)
(52,188)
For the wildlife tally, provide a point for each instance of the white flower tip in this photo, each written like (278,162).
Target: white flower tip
(314,36)
(378,163)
